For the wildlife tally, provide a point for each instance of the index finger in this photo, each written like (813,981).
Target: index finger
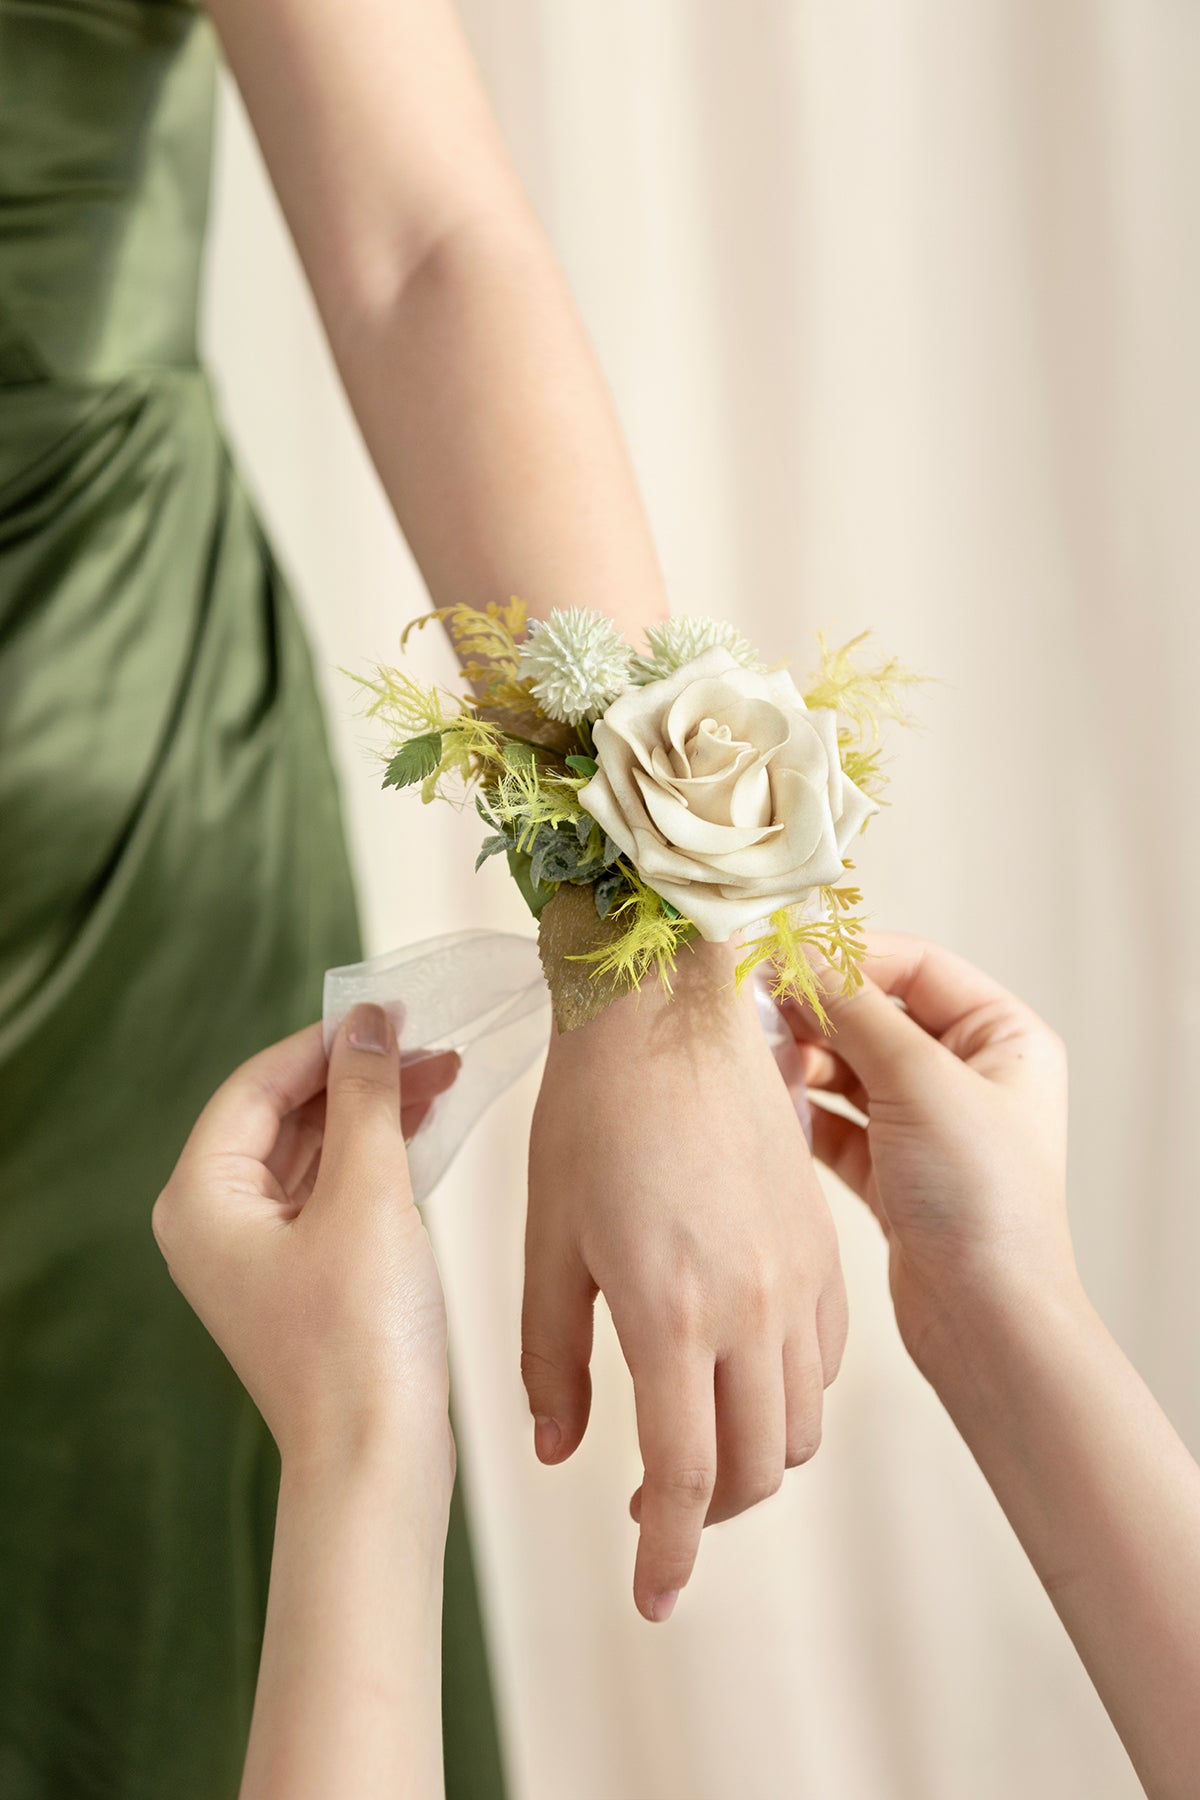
(244,1115)
(677,1431)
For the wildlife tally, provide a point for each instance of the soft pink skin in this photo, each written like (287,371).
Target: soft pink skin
(668,1171)
(959,1148)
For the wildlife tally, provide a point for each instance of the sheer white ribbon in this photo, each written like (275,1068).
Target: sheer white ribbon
(483,994)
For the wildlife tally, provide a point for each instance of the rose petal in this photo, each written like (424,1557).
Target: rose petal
(778,686)
(825,724)
(637,715)
(719,796)
(718,916)
(752,798)
(672,768)
(691,830)
(751,719)
(725,791)
(608,797)
(712,750)
(857,808)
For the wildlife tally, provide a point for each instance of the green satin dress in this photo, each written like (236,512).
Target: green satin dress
(173,881)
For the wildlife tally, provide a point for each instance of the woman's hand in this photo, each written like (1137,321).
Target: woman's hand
(290,1227)
(668,1170)
(961,1153)
(959,1143)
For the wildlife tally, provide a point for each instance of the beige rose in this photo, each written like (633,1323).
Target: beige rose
(724,791)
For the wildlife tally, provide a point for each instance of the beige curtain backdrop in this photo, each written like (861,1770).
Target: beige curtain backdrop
(899,304)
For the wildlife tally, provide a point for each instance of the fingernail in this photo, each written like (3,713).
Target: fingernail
(369,1028)
(662,1606)
(547,1436)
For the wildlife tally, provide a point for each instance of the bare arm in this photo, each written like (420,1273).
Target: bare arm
(960,1152)
(469,372)
(349,1688)
(1106,1502)
(290,1227)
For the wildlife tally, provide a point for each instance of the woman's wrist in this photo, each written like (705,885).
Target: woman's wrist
(703,999)
(411,1458)
(999,1320)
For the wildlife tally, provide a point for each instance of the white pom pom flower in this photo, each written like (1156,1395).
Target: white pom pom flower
(679,641)
(576,663)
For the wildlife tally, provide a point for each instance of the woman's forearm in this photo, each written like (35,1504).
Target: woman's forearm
(1105,1500)
(491,426)
(349,1690)
(470,374)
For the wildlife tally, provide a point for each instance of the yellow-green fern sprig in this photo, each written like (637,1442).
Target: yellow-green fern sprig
(865,696)
(650,936)
(488,641)
(528,794)
(835,933)
(406,706)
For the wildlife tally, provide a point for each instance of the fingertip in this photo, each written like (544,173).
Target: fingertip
(431,1073)
(413,1117)
(821,1066)
(654,1598)
(548,1440)
(363,1098)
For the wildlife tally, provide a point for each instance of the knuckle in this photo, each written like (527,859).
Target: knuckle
(758,1296)
(541,1369)
(688,1487)
(361,1084)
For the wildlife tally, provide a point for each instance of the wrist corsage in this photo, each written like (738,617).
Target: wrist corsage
(646,799)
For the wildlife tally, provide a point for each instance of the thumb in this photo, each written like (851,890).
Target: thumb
(878,1041)
(556,1342)
(362,1097)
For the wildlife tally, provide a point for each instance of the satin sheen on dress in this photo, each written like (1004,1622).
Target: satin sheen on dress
(173,883)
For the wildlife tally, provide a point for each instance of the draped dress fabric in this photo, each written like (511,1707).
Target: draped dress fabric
(173,881)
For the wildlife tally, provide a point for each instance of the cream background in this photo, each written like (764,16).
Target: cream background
(899,304)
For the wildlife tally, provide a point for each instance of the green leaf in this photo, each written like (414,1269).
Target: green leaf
(558,855)
(534,895)
(672,912)
(519,755)
(607,891)
(492,846)
(415,761)
(583,765)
